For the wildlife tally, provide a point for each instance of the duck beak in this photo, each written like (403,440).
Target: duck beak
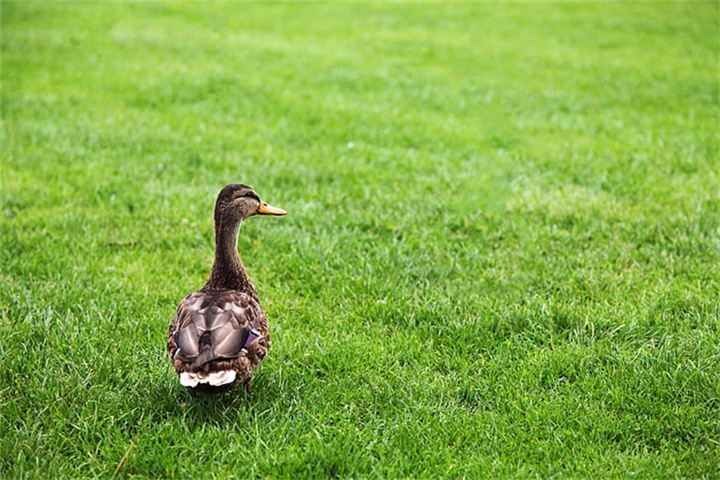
(266,209)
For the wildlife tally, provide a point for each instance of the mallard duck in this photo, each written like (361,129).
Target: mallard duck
(219,335)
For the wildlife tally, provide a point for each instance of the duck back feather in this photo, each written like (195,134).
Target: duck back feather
(215,332)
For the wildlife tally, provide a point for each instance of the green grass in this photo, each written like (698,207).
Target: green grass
(500,260)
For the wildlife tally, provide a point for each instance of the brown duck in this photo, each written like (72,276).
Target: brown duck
(219,335)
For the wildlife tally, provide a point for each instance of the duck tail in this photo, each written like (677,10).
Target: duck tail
(215,379)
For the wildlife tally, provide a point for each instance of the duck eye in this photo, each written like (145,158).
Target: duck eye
(250,195)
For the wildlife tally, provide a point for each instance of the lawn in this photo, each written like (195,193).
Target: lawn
(501,258)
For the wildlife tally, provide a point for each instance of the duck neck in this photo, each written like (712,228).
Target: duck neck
(228,271)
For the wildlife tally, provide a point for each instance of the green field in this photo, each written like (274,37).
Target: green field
(501,258)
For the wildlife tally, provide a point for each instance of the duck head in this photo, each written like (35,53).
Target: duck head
(236,202)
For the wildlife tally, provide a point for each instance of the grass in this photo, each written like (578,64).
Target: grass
(500,259)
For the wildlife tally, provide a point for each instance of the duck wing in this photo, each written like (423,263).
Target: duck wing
(212,325)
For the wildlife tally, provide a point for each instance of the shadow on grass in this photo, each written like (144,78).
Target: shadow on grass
(168,399)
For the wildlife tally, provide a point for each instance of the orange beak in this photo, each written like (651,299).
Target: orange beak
(266,209)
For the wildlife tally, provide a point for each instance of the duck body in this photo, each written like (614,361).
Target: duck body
(218,338)
(219,335)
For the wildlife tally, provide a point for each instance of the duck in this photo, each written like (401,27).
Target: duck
(219,335)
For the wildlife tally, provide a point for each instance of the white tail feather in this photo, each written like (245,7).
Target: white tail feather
(192,379)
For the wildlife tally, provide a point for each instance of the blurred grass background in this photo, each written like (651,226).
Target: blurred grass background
(500,259)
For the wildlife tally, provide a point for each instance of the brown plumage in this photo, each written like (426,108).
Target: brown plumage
(219,335)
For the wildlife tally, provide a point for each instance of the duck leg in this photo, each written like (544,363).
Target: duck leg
(248,386)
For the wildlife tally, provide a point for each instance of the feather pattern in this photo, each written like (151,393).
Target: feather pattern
(210,330)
